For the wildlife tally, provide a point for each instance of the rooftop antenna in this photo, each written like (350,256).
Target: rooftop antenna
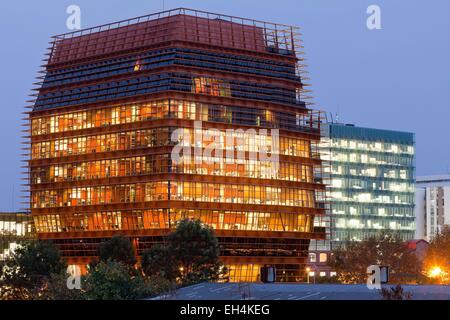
(163,2)
(12,199)
(337,115)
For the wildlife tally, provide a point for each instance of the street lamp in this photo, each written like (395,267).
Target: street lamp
(436,272)
(308,270)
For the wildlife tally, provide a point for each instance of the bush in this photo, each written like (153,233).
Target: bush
(27,272)
(191,255)
(57,289)
(119,249)
(351,262)
(328,279)
(112,280)
(159,261)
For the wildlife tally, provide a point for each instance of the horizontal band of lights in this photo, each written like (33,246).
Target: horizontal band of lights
(171,109)
(164,218)
(158,137)
(252,272)
(181,191)
(157,164)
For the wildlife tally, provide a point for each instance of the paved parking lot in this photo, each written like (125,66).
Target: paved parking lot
(255,291)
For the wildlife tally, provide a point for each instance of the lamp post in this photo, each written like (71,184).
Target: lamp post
(437,273)
(308,270)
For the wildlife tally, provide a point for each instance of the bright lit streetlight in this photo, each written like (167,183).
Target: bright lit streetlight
(435,272)
(308,270)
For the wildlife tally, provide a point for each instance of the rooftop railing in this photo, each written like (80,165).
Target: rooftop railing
(176,24)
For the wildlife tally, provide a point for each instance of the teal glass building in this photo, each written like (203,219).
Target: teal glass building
(371,182)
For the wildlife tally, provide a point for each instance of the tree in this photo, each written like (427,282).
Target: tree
(119,249)
(111,280)
(35,271)
(191,253)
(160,285)
(197,250)
(56,289)
(387,249)
(437,260)
(159,261)
(27,272)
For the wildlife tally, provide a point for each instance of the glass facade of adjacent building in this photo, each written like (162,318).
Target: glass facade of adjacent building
(113,103)
(372,182)
(15,228)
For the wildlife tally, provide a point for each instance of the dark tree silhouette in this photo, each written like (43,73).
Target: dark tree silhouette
(27,272)
(191,253)
(118,248)
(351,262)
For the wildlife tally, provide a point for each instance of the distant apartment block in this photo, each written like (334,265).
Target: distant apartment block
(432,209)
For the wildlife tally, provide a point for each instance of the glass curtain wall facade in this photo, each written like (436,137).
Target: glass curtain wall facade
(110,102)
(15,228)
(372,182)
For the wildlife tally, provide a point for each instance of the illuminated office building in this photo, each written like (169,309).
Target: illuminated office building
(111,99)
(372,182)
(15,228)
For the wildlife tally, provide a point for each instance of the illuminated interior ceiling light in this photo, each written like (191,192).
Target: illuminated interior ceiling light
(138,66)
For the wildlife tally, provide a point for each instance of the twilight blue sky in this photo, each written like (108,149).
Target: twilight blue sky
(394,78)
